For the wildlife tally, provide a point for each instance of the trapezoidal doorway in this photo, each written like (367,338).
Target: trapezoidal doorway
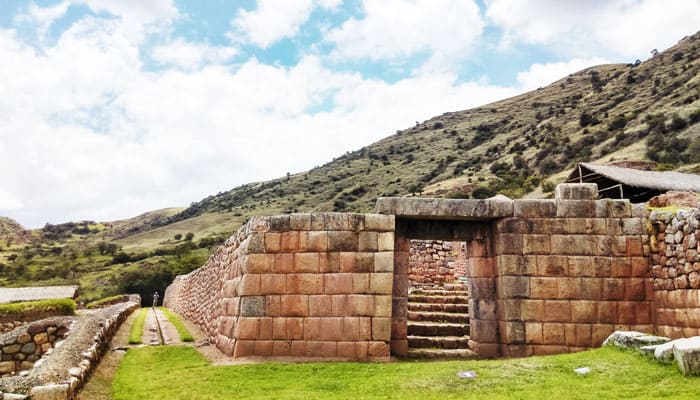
(444,289)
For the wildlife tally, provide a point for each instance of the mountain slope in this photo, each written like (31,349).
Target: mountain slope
(611,112)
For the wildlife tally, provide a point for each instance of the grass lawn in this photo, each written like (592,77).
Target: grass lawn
(185,335)
(136,331)
(175,372)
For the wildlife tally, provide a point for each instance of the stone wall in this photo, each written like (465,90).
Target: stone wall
(302,285)
(22,347)
(569,273)
(676,271)
(64,368)
(436,261)
(198,296)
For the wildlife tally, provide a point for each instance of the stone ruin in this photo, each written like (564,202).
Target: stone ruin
(544,277)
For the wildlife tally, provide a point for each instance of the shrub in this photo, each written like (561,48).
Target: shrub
(677,123)
(694,117)
(618,123)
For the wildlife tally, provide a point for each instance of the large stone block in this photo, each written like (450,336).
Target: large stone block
(252,306)
(381,329)
(339,283)
(294,305)
(320,306)
(557,310)
(381,283)
(345,222)
(379,223)
(543,288)
(273,283)
(532,310)
(514,287)
(687,355)
(455,208)
(516,265)
(304,284)
(50,392)
(368,241)
(343,241)
(509,243)
(552,265)
(313,241)
(534,208)
(584,311)
(576,191)
(576,208)
(307,262)
(300,222)
(384,261)
(536,244)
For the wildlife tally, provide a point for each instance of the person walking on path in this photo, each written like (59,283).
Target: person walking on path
(156,296)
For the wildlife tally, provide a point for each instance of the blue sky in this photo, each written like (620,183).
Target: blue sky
(112,108)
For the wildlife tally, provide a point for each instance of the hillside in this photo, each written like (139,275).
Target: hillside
(521,146)
(645,111)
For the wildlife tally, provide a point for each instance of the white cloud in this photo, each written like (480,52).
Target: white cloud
(186,55)
(137,15)
(396,29)
(43,17)
(9,201)
(272,20)
(539,75)
(88,134)
(628,28)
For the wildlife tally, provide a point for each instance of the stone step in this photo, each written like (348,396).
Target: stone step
(441,353)
(440,342)
(437,316)
(441,293)
(437,329)
(443,286)
(438,299)
(439,307)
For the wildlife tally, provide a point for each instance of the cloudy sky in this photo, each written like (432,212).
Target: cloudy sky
(109,108)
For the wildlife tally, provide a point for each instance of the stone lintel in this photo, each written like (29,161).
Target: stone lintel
(450,209)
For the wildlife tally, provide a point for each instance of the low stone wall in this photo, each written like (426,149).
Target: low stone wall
(24,346)
(676,271)
(436,261)
(62,371)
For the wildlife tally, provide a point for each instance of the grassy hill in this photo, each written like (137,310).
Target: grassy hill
(521,146)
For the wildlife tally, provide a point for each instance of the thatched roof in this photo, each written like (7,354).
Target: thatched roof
(631,183)
(13,295)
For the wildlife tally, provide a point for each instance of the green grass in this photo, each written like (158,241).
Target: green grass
(57,306)
(181,373)
(136,331)
(182,331)
(105,301)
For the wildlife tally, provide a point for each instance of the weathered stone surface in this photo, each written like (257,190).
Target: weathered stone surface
(468,209)
(687,355)
(633,339)
(253,306)
(664,352)
(7,367)
(28,348)
(50,392)
(576,191)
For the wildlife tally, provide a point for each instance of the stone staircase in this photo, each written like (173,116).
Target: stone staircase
(438,321)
